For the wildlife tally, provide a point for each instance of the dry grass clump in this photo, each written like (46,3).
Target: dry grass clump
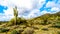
(28,31)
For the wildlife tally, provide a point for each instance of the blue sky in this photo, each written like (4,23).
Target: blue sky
(2,8)
(27,8)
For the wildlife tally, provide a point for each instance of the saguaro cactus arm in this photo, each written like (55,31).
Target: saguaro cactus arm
(15,12)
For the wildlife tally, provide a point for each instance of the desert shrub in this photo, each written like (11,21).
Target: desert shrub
(18,21)
(45,29)
(58,32)
(3,30)
(44,22)
(56,25)
(35,27)
(11,22)
(20,31)
(28,31)
(29,22)
(23,20)
(14,32)
(38,21)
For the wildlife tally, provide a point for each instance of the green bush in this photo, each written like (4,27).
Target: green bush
(14,32)
(56,25)
(3,30)
(20,31)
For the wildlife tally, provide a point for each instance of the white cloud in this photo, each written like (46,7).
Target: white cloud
(33,13)
(18,3)
(50,4)
(7,15)
(55,9)
(44,12)
(9,11)
(40,3)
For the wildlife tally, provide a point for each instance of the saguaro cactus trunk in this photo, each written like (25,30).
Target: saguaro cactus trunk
(15,14)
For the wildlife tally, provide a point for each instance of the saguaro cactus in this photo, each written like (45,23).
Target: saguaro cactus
(15,14)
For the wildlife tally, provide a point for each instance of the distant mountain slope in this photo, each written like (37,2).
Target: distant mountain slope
(46,19)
